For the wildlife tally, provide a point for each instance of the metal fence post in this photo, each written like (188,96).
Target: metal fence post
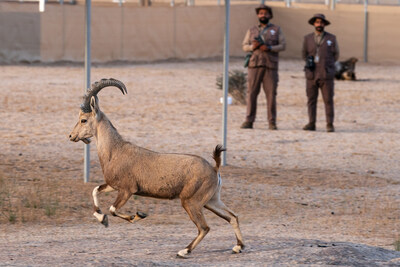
(225,84)
(365,30)
(86,167)
(41,5)
(333,4)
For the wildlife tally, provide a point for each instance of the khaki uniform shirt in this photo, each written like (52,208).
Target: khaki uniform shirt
(272,37)
(248,46)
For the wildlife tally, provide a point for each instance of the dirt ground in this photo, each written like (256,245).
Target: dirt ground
(303,198)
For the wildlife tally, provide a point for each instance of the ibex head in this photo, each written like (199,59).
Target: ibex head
(90,111)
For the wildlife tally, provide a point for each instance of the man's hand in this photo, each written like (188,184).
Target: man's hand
(255,44)
(264,48)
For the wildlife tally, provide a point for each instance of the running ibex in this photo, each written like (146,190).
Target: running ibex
(133,170)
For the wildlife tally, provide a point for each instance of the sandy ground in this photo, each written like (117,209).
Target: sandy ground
(304,198)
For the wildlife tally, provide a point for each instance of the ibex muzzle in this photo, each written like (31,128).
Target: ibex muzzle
(82,130)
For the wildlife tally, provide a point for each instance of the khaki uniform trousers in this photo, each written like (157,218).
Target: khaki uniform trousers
(269,80)
(327,91)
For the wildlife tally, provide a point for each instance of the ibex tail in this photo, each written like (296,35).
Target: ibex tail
(217,156)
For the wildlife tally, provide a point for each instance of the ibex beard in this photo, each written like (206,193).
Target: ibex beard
(133,170)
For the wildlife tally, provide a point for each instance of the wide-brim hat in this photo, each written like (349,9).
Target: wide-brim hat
(319,16)
(268,8)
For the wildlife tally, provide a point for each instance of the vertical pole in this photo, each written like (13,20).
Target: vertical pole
(86,167)
(365,30)
(41,5)
(288,3)
(333,4)
(225,85)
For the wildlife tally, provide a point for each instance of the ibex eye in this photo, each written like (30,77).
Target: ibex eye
(83,121)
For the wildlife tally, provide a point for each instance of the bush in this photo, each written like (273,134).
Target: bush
(397,245)
(237,85)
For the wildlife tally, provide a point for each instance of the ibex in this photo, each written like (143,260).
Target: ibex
(133,170)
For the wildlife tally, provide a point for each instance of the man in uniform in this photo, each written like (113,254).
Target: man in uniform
(264,41)
(320,51)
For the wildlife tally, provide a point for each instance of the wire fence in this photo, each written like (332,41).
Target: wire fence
(354,2)
(214,2)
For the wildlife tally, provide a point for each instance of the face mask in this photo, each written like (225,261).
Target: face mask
(319,29)
(263,20)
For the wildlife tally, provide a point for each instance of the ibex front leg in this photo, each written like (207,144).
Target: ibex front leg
(122,198)
(97,212)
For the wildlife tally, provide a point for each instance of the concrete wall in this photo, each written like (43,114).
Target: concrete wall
(19,36)
(155,33)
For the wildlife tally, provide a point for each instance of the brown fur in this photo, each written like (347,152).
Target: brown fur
(217,156)
(130,169)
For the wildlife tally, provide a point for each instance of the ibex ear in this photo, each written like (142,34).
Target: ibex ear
(94,104)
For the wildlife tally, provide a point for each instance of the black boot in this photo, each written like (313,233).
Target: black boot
(272,126)
(330,128)
(309,127)
(247,125)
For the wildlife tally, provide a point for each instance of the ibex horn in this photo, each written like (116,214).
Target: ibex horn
(96,87)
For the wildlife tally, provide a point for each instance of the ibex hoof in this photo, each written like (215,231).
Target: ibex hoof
(237,249)
(139,215)
(182,253)
(105,221)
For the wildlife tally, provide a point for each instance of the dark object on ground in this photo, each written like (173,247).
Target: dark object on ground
(237,85)
(346,70)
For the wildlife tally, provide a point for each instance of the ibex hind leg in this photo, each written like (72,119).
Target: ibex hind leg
(195,212)
(122,198)
(218,207)
(97,212)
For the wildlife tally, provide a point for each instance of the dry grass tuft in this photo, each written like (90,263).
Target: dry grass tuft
(237,85)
